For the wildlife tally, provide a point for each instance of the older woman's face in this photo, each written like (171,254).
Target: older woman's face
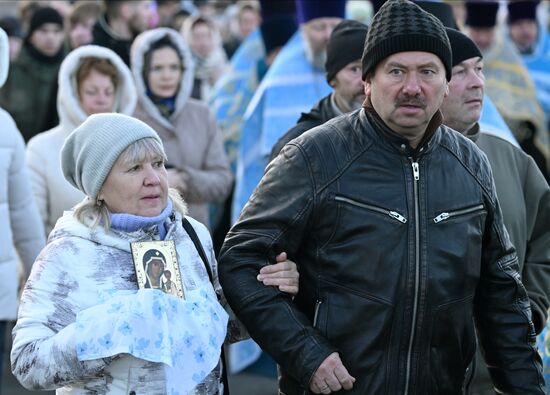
(97,93)
(165,72)
(136,188)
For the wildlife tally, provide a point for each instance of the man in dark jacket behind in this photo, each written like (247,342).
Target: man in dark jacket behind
(122,21)
(394,223)
(523,193)
(29,94)
(343,67)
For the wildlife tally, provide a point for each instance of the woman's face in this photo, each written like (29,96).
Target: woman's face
(97,93)
(136,188)
(165,72)
(201,40)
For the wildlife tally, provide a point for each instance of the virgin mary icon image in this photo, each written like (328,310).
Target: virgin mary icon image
(157,266)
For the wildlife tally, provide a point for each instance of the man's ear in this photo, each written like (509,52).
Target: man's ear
(446,89)
(367,86)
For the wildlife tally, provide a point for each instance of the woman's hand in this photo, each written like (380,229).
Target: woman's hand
(283,274)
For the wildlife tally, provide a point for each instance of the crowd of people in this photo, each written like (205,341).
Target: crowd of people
(356,189)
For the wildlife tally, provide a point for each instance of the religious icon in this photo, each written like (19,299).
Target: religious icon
(157,266)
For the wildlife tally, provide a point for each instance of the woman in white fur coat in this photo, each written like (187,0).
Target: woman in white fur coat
(85,326)
(21,231)
(162,66)
(52,192)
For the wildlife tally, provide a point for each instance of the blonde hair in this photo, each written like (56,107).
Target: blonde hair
(92,213)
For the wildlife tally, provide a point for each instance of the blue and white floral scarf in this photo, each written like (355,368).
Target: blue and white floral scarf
(185,335)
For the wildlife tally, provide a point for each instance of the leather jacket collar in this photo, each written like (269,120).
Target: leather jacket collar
(397,141)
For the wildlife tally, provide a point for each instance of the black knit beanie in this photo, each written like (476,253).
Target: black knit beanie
(462,46)
(42,16)
(401,26)
(345,46)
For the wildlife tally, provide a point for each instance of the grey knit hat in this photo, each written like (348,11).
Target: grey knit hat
(91,150)
(401,26)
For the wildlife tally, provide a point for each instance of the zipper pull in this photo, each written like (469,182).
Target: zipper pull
(316,312)
(441,217)
(397,216)
(416,171)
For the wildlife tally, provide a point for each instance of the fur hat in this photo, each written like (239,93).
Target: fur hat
(481,13)
(307,10)
(278,23)
(442,11)
(522,9)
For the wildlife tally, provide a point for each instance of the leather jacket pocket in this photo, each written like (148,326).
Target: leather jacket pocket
(472,210)
(359,325)
(380,210)
(452,346)
(455,238)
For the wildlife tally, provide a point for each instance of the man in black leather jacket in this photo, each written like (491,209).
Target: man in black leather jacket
(395,225)
(343,67)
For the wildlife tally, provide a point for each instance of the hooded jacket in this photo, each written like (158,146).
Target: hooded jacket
(190,136)
(21,231)
(53,193)
(402,253)
(73,273)
(207,70)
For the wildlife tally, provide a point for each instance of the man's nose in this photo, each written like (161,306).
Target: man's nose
(411,85)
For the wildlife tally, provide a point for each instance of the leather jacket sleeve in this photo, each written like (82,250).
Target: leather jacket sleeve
(274,220)
(536,270)
(503,314)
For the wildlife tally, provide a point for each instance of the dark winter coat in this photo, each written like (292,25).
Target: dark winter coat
(30,92)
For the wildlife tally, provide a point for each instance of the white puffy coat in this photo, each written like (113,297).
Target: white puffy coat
(53,193)
(21,231)
(77,265)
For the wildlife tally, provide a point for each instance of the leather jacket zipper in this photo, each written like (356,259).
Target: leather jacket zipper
(318,304)
(393,214)
(446,215)
(416,178)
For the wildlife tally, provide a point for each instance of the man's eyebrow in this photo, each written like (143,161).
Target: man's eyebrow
(420,66)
